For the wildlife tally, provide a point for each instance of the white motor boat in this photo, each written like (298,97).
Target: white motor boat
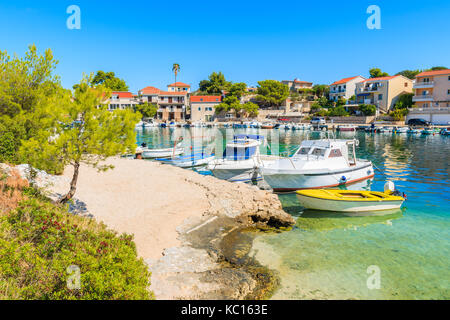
(189,160)
(401,129)
(240,159)
(158,153)
(318,164)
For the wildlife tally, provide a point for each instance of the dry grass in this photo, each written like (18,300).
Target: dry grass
(11,187)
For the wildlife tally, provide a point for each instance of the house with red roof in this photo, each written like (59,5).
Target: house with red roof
(383,92)
(172,104)
(432,97)
(344,88)
(432,89)
(203,107)
(121,100)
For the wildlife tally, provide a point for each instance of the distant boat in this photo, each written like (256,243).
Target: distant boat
(346,127)
(401,130)
(267,125)
(413,131)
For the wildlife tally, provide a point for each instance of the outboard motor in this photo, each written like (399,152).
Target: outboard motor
(389,187)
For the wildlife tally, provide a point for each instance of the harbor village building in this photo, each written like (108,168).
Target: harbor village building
(203,107)
(432,97)
(121,100)
(172,104)
(344,88)
(383,92)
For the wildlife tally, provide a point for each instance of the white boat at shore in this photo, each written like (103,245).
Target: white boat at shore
(148,153)
(318,164)
(240,159)
(189,160)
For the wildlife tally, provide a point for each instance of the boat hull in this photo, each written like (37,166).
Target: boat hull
(161,153)
(347,206)
(291,181)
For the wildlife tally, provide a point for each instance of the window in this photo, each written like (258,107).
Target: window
(448,91)
(406,84)
(335,153)
(380,96)
(318,152)
(201,99)
(304,150)
(199,108)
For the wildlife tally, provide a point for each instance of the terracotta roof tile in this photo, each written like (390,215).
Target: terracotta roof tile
(123,94)
(179,84)
(345,80)
(434,73)
(150,90)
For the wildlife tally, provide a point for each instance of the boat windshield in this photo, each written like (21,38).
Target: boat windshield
(320,152)
(234,153)
(304,150)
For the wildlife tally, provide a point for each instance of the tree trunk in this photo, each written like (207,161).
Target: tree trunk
(73,184)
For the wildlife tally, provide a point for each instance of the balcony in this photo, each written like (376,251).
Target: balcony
(337,91)
(425,97)
(423,84)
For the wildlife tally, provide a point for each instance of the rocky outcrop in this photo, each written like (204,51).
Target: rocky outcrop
(246,204)
(207,266)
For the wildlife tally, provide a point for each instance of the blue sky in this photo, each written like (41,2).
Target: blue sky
(249,41)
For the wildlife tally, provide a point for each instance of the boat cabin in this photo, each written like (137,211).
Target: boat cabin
(325,149)
(243,147)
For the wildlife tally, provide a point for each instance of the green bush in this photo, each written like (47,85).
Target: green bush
(338,112)
(368,109)
(39,241)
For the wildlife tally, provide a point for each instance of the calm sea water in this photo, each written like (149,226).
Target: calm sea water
(402,254)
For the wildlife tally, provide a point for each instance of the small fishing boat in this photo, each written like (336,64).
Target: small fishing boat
(267,125)
(159,153)
(400,130)
(445,131)
(346,127)
(413,131)
(351,200)
(190,160)
(428,131)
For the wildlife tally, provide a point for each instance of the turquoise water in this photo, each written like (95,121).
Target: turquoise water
(332,256)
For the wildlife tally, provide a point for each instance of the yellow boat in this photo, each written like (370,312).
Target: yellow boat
(348,200)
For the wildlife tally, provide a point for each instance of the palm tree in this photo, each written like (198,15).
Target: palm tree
(175,70)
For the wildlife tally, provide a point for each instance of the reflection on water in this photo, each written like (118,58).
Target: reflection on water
(326,255)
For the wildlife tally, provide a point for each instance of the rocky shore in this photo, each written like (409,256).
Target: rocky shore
(186,226)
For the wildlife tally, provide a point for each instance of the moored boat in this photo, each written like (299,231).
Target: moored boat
(240,159)
(190,160)
(346,127)
(350,200)
(318,164)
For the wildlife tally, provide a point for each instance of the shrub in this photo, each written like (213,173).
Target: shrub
(39,241)
(368,109)
(338,112)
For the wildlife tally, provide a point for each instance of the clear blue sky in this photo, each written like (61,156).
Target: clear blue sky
(318,41)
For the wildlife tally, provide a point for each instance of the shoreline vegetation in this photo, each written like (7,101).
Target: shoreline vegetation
(186,227)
